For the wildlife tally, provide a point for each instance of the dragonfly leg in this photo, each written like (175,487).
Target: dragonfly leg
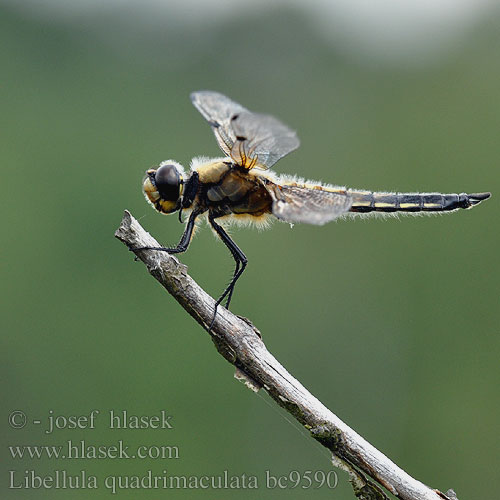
(230,294)
(238,256)
(183,243)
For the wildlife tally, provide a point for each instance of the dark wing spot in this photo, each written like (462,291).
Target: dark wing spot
(214,124)
(241,138)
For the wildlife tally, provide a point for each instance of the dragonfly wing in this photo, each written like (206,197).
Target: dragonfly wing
(218,110)
(308,205)
(248,138)
(261,139)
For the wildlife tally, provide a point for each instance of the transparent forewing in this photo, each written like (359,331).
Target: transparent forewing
(308,205)
(218,110)
(248,138)
(261,139)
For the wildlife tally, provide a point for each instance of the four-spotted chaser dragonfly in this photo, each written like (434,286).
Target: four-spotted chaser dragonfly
(240,187)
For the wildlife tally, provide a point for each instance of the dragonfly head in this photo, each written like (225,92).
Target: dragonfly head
(163,186)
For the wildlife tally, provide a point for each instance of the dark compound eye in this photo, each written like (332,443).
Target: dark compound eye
(168,180)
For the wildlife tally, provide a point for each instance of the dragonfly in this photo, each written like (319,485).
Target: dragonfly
(240,187)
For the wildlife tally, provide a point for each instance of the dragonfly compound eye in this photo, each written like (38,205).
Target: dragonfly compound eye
(168,180)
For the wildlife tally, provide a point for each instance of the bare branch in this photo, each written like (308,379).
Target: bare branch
(240,343)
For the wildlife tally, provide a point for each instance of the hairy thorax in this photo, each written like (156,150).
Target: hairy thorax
(239,191)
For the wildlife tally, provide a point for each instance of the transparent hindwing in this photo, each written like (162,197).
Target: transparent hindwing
(308,205)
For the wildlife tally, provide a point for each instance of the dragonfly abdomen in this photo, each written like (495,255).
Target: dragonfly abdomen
(368,201)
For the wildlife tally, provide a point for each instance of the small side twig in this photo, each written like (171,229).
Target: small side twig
(240,343)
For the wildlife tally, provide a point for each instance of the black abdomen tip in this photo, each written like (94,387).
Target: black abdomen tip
(475,198)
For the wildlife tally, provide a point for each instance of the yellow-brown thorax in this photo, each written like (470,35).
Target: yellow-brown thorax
(242,191)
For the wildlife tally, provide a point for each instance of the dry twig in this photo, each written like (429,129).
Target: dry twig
(240,343)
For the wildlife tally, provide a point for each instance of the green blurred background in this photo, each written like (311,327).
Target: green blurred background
(393,324)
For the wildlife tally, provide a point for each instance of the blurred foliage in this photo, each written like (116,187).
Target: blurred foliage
(393,324)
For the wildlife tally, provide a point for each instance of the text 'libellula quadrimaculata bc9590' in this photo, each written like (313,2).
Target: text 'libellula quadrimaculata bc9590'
(240,187)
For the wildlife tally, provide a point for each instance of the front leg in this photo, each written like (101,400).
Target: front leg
(183,243)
